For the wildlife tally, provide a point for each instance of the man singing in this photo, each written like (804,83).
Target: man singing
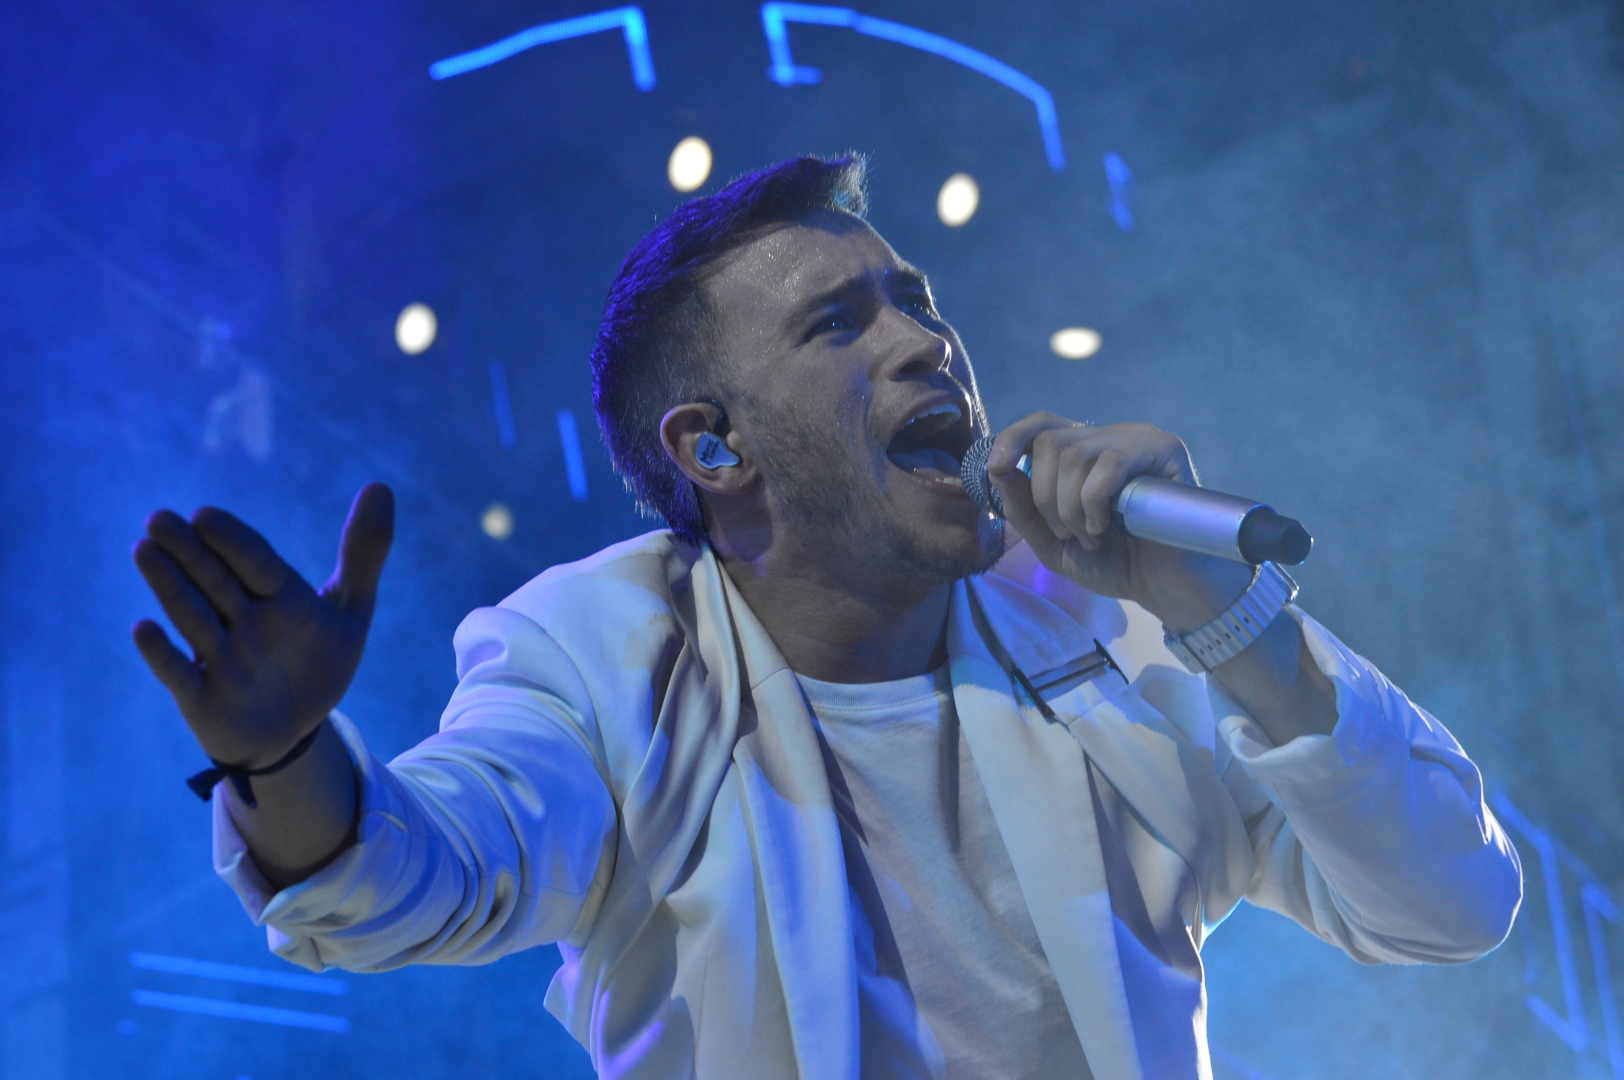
(834,777)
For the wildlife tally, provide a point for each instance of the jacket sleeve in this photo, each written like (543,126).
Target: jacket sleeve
(494,835)
(1375,837)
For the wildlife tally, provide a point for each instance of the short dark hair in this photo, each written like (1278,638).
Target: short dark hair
(658,331)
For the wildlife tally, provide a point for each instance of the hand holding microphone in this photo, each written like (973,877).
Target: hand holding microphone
(1078,482)
(1175,513)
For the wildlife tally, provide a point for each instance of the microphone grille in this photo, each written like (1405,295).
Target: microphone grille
(973,473)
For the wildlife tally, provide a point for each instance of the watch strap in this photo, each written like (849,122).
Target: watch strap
(1243,623)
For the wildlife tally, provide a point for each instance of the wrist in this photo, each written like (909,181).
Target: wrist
(251,741)
(241,776)
(1187,590)
(1240,625)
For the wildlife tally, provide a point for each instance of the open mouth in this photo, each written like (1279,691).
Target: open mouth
(932,443)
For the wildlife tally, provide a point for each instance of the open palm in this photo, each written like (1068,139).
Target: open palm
(271,656)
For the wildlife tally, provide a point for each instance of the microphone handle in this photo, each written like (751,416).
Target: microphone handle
(1196,519)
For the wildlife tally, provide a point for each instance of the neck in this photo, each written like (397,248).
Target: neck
(843,630)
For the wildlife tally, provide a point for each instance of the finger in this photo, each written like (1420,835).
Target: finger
(1105,480)
(1076,463)
(1142,451)
(173,668)
(1165,453)
(208,573)
(192,615)
(249,556)
(1021,511)
(1016,440)
(368,534)
(1046,450)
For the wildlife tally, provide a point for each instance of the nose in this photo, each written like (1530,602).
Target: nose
(918,353)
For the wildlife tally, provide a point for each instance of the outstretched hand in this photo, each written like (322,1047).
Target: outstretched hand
(271,656)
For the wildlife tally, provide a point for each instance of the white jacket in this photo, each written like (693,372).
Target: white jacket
(628,768)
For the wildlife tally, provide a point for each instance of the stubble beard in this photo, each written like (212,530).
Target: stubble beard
(825,491)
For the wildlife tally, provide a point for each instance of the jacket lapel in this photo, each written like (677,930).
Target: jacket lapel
(796,840)
(694,734)
(1036,780)
(1138,749)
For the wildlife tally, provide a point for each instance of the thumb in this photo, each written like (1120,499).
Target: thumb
(368,533)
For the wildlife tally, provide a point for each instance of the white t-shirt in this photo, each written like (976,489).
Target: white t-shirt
(952,981)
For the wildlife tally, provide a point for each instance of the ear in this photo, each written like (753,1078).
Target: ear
(680,430)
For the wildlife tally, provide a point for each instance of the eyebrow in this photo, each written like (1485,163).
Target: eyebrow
(902,276)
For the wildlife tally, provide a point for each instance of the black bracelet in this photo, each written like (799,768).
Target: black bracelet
(203,783)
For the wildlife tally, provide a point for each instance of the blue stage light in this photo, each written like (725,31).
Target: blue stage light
(238,1010)
(238,973)
(1597,905)
(627,19)
(574,465)
(502,404)
(784,71)
(1120,177)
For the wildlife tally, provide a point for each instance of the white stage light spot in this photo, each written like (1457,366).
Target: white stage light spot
(957,201)
(1075,343)
(497,522)
(690,164)
(415,328)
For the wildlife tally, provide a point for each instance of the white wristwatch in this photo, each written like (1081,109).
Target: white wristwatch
(1204,649)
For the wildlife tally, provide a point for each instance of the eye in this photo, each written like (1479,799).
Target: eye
(834,323)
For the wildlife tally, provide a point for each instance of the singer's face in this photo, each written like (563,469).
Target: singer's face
(856,399)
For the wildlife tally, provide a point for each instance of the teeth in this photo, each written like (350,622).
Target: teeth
(947,408)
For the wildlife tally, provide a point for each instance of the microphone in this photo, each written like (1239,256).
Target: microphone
(1175,514)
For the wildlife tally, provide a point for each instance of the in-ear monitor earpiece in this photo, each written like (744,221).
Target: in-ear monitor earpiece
(712,452)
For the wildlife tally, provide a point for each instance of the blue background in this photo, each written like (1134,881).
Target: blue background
(1374,277)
